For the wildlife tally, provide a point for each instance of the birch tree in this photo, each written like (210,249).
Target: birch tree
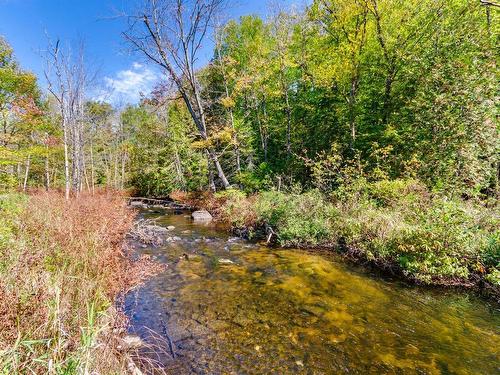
(66,79)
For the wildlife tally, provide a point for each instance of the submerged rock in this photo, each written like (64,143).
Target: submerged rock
(156,229)
(173,239)
(170,227)
(225,261)
(201,215)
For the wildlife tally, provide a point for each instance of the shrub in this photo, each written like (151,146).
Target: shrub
(398,191)
(494,277)
(297,219)
(235,208)
(491,253)
(256,180)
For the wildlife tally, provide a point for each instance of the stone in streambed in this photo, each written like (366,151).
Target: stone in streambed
(136,204)
(225,261)
(173,239)
(156,229)
(201,215)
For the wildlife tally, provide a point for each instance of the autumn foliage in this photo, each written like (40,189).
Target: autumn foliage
(63,265)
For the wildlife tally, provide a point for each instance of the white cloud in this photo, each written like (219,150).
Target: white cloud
(127,85)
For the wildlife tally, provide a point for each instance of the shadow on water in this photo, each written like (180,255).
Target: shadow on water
(226,306)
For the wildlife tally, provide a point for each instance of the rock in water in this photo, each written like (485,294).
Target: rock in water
(202,215)
(170,227)
(156,229)
(136,204)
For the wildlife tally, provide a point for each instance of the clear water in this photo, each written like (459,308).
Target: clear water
(277,311)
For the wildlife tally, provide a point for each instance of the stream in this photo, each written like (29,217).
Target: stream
(228,306)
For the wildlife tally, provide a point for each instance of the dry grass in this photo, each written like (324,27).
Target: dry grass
(62,267)
(224,206)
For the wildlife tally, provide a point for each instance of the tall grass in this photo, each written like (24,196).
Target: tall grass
(62,266)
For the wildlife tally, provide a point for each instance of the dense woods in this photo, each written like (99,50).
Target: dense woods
(368,126)
(375,89)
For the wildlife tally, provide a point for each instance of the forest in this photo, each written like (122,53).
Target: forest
(368,127)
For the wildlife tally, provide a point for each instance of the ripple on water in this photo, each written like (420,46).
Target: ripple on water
(289,311)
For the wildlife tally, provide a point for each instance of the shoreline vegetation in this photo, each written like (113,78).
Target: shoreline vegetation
(63,267)
(366,127)
(64,263)
(397,226)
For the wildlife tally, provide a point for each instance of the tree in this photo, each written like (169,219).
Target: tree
(170,33)
(67,79)
(24,126)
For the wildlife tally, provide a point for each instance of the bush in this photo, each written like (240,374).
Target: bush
(398,191)
(297,219)
(235,208)
(256,180)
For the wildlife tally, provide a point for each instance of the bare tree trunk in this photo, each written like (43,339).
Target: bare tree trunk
(288,125)
(124,155)
(66,161)
(211,183)
(92,183)
(352,103)
(85,174)
(115,169)
(26,172)
(171,34)
(19,175)
(220,172)
(47,172)
(87,183)
(66,84)
(235,141)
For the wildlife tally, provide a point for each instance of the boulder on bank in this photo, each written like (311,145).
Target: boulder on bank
(201,215)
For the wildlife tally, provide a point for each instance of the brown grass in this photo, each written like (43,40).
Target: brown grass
(224,207)
(60,275)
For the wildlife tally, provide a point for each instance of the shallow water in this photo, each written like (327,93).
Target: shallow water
(276,311)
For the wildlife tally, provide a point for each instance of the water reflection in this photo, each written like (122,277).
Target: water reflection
(230,307)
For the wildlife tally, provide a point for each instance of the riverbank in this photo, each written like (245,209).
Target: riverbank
(62,267)
(398,226)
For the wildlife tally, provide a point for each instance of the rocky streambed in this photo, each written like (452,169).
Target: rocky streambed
(227,306)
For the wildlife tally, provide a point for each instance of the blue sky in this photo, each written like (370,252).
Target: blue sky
(25,24)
